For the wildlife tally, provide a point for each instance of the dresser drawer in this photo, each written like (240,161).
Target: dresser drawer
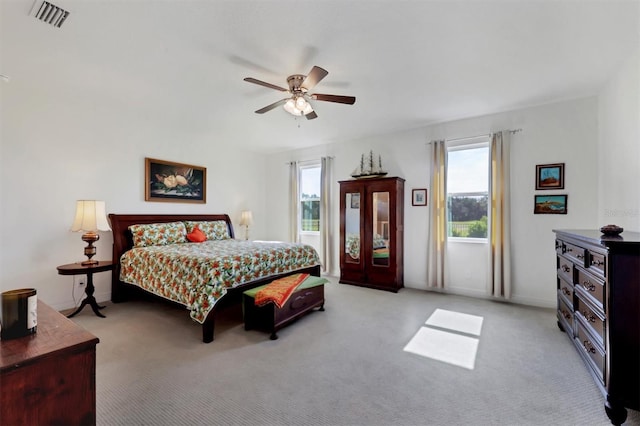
(576,253)
(565,316)
(593,286)
(593,319)
(565,290)
(593,351)
(597,263)
(565,269)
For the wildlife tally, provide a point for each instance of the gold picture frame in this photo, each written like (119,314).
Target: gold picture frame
(167,181)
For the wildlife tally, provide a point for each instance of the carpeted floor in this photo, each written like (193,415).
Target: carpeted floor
(344,366)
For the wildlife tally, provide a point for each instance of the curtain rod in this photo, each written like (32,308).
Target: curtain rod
(512,131)
(288,163)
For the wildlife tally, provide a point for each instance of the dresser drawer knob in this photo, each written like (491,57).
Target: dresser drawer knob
(566,291)
(566,315)
(597,262)
(580,256)
(589,317)
(588,286)
(588,346)
(565,268)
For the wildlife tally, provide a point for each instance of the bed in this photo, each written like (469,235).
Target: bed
(202,291)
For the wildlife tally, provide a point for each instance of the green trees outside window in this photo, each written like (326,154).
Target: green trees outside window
(310,220)
(468,216)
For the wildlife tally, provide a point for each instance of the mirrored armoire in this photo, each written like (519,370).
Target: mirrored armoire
(371,232)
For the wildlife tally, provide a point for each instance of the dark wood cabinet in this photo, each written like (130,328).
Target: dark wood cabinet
(598,286)
(372,232)
(49,377)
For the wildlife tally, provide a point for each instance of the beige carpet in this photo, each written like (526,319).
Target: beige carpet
(344,366)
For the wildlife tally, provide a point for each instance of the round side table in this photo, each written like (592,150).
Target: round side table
(88,270)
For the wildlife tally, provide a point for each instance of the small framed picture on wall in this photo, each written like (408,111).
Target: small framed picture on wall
(550,204)
(419,197)
(550,176)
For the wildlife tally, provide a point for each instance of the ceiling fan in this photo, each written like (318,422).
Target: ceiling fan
(299,86)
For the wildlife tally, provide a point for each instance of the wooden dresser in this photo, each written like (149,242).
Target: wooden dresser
(49,378)
(598,284)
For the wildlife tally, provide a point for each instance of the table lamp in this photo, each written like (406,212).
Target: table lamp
(90,217)
(246,219)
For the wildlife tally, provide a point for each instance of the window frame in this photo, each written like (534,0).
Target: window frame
(463,145)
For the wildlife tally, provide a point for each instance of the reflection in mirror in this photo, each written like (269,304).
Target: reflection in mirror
(352,227)
(380,239)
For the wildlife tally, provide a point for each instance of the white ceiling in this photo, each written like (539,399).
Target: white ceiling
(409,63)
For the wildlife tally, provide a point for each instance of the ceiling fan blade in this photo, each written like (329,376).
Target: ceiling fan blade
(334,98)
(272,106)
(315,75)
(311,115)
(265,84)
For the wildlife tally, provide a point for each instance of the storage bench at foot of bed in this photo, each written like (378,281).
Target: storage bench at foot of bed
(271,318)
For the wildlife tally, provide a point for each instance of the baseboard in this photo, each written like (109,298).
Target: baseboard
(476,294)
(68,304)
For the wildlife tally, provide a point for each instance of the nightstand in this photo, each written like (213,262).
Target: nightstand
(89,270)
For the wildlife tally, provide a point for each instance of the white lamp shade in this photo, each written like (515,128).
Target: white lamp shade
(290,107)
(90,216)
(246,218)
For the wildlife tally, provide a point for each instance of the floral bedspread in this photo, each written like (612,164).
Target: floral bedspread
(197,275)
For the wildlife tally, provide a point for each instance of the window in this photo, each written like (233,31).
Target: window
(310,198)
(468,189)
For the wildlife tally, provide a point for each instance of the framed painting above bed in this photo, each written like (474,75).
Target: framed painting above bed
(174,182)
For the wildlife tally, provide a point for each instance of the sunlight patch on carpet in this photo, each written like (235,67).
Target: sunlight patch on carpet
(443,346)
(457,321)
(445,338)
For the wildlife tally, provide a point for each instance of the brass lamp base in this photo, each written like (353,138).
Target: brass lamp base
(90,251)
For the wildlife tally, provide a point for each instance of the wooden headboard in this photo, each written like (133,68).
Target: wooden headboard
(123,240)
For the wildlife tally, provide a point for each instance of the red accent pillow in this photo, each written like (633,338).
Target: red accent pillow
(196,236)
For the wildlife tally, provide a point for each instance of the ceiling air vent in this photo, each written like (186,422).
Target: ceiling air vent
(51,14)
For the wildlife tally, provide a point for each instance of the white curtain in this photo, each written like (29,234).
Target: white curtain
(294,202)
(325,213)
(499,280)
(437,216)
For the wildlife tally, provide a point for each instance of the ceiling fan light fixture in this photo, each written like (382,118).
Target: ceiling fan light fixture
(301,103)
(299,87)
(290,107)
(307,109)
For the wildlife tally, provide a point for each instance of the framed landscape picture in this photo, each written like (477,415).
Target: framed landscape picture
(550,176)
(550,204)
(174,182)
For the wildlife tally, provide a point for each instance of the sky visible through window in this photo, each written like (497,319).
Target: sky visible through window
(310,181)
(467,170)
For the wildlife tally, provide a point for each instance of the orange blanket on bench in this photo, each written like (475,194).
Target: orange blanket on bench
(279,290)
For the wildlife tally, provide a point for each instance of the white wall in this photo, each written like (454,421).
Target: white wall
(564,132)
(619,149)
(58,147)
